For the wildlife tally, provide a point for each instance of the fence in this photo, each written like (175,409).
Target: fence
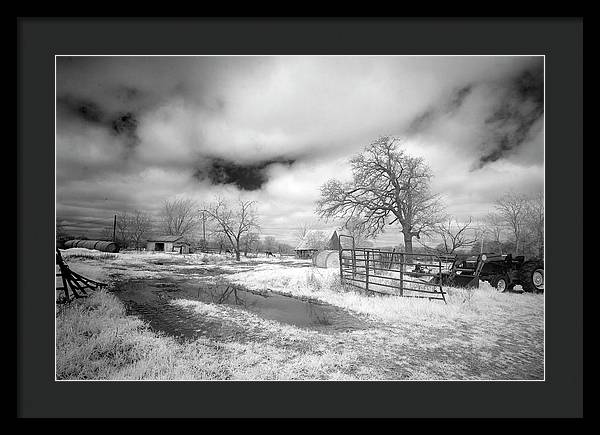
(73,280)
(390,272)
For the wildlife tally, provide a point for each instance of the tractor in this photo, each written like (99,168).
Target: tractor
(503,272)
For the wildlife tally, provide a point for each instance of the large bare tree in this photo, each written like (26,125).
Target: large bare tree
(180,217)
(234,220)
(512,209)
(387,186)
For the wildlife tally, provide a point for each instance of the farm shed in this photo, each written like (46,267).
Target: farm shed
(99,245)
(167,244)
(182,247)
(317,240)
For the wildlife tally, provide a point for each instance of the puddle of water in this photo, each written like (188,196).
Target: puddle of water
(149,298)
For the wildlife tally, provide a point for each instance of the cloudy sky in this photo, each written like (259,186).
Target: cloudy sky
(132,132)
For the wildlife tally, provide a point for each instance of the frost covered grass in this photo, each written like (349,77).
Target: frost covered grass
(96,340)
(285,275)
(324,284)
(479,334)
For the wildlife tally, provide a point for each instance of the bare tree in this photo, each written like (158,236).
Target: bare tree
(387,186)
(233,223)
(495,226)
(180,217)
(284,248)
(140,225)
(123,228)
(107,233)
(249,241)
(302,230)
(270,243)
(535,222)
(454,235)
(512,208)
(219,238)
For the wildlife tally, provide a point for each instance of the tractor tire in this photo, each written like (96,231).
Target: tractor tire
(500,282)
(531,276)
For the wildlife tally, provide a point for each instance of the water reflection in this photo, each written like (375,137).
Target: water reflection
(155,296)
(218,295)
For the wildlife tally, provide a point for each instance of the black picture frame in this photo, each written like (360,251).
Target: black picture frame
(560,40)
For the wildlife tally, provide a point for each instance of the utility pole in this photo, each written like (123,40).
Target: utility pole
(114,228)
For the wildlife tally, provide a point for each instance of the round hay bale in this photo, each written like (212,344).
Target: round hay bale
(326,259)
(71,244)
(99,245)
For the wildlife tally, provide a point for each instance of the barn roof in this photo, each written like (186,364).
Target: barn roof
(317,239)
(165,238)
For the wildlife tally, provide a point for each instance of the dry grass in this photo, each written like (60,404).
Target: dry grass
(324,284)
(96,340)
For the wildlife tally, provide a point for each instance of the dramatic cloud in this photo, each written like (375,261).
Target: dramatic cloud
(515,115)
(246,177)
(134,131)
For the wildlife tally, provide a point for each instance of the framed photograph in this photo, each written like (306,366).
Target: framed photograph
(357,230)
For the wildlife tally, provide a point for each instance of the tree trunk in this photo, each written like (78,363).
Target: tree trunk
(236,248)
(408,246)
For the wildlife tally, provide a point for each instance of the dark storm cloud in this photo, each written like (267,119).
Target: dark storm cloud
(121,124)
(513,118)
(250,176)
(449,106)
(83,109)
(125,125)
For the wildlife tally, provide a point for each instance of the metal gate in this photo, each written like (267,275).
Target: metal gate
(392,272)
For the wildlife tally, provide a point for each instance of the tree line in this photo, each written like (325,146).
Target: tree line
(219,225)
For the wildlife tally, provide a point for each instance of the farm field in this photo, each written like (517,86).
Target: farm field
(207,317)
